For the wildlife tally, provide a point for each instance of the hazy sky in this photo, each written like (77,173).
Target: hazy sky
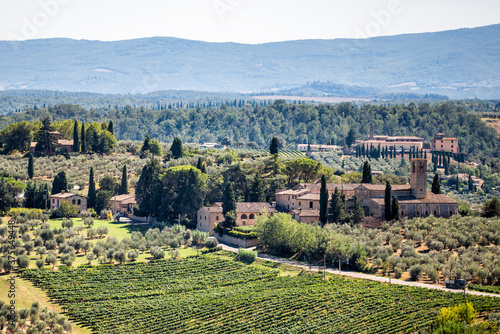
(243,21)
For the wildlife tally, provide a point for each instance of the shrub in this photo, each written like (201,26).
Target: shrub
(416,272)
(247,256)
(211,243)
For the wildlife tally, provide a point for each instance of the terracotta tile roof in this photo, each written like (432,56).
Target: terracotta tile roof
(297,192)
(64,142)
(249,207)
(329,186)
(309,213)
(430,199)
(130,201)
(123,197)
(382,186)
(65,195)
(310,196)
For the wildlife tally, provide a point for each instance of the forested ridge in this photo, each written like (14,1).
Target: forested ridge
(245,122)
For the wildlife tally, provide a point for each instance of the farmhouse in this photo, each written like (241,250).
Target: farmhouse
(391,142)
(123,203)
(302,201)
(442,143)
(246,212)
(78,200)
(62,144)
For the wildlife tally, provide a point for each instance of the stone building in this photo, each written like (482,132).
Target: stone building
(123,203)
(302,201)
(246,212)
(61,144)
(78,200)
(447,144)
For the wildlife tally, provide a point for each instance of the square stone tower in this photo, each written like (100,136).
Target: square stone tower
(418,178)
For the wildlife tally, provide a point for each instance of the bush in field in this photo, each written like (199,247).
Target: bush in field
(211,243)
(157,252)
(247,256)
(199,237)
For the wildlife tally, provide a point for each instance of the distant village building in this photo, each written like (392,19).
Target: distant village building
(302,201)
(447,144)
(246,213)
(62,144)
(78,200)
(213,145)
(123,203)
(317,147)
(391,142)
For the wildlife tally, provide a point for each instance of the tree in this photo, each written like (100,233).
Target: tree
(155,147)
(84,145)
(76,143)
(336,211)
(274,147)
(31,167)
(351,138)
(145,144)
(228,199)
(492,208)
(60,183)
(199,164)
(102,200)
(16,136)
(46,142)
(395,208)
(436,185)
(387,201)
(226,141)
(91,194)
(109,183)
(66,209)
(111,128)
(148,190)
(323,202)
(367,173)
(471,183)
(124,184)
(29,195)
(176,148)
(256,192)
(358,212)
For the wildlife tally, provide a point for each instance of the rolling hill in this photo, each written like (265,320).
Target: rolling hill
(459,63)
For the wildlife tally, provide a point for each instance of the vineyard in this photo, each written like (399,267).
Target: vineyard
(208,294)
(284,154)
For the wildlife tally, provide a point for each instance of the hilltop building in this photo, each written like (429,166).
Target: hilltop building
(442,143)
(246,212)
(123,203)
(391,141)
(302,201)
(62,144)
(78,200)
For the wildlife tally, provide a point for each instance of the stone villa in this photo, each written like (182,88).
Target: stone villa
(302,201)
(78,200)
(62,144)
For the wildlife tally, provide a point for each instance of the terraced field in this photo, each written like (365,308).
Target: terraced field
(208,294)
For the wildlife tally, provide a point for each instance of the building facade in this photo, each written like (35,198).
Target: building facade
(62,144)
(447,144)
(123,203)
(302,201)
(78,200)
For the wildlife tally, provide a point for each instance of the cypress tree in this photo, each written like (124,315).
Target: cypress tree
(439,160)
(29,195)
(425,155)
(257,193)
(436,185)
(145,144)
(124,186)
(471,183)
(84,144)
(274,147)
(59,183)
(203,169)
(387,201)
(323,201)
(199,164)
(111,128)
(358,213)
(395,208)
(228,199)
(91,195)
(31,166)
(336,211)
(176,148)
(458,183)
(76,143)
(367,173)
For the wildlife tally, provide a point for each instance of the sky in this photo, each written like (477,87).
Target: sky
(241,21)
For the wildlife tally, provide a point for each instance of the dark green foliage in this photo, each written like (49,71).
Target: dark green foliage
(46,142)
(84,145)
(145,144)
(60,183)
(358,212)
(351,137)
(367,173)
(111,128)
(395,208)
(148,188)
(91,194)
(274,147)
(76,143)
(257,190)
(102,200)
(31,167)
(336,211)
(470,183)
(109,183)
(16,136)
(436,185)
(29,195)
(176,149)
(492,208)
(124,181)
(228,200)
(199,164)
(323,201)
(388,201)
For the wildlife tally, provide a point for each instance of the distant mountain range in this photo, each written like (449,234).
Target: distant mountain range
(462,63)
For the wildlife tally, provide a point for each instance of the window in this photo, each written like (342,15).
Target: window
(205,217)
(300,204)
(310,205)
(426,213)
(244,223)
(73,201)
(251,216)
(451,213)
(435,213)
(451,146)
(452,142)
(79,202)
(441,146)
(199,218)
(244,216)
(402,213)
(217,218)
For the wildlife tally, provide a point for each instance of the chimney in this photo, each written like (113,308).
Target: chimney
(63,191)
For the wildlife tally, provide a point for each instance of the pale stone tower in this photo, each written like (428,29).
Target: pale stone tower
(418,178)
